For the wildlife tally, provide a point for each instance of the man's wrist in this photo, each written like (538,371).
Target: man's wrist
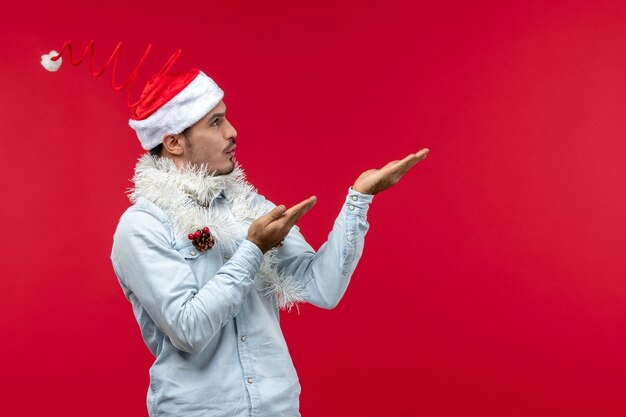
(364,192)
(258,246)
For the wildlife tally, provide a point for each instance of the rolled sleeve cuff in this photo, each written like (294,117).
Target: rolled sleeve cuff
(357,202)
(249,256)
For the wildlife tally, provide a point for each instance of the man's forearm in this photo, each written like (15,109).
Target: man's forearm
(327,273)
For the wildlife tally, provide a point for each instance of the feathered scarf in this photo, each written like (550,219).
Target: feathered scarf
(185,195)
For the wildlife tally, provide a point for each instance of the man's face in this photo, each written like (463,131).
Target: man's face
(211,141)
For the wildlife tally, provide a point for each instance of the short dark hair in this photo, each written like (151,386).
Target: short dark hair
(158,150)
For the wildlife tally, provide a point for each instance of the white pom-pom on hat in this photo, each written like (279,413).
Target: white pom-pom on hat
(49,64)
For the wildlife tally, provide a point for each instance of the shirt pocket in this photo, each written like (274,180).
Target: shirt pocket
(204,265)
(189,252)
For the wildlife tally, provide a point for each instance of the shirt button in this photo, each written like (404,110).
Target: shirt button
(226,256)
(243,338)
(249,380)
(354,198)
(351,207)
(349,238)
(193,253)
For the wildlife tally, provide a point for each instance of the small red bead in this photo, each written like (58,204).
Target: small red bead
(205,230)
(191,236)
(198,234)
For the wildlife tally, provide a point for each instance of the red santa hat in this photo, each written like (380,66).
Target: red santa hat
(170,101)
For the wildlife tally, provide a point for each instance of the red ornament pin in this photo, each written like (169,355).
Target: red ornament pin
(202,239)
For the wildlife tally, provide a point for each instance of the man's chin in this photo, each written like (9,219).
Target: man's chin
(231,169)
(225,171)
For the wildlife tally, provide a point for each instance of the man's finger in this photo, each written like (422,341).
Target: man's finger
(294,213)
(404,165)
(422,154)
(301,205)
(392,163)
(274,214)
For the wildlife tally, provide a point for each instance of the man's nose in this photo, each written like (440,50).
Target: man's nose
(231,132)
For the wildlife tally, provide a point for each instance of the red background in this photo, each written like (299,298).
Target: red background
(493,277)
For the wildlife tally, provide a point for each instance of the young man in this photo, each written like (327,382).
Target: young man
(207,262)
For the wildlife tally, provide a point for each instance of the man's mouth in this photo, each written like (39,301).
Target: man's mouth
(232,150)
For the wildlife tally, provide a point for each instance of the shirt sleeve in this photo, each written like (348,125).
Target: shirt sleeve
(147,264)
(327,272)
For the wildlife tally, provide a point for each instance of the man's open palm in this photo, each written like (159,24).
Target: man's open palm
(374,181)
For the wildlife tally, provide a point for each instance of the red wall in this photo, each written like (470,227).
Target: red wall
(493,278)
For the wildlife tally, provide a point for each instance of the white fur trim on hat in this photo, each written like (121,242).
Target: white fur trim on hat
(183,110)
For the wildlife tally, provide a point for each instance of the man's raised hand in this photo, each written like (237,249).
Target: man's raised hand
(374,181)
(270,229)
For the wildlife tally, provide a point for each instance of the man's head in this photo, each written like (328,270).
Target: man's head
(210,141)
(170,111)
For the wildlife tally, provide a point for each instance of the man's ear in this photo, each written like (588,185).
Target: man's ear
(173,144)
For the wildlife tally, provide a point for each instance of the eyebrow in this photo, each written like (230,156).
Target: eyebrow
(216,115)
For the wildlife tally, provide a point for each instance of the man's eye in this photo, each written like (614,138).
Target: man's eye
(215,122)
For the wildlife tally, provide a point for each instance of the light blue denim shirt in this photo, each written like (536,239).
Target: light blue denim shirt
(217,342)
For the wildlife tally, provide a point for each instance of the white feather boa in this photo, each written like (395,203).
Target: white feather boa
(185,195)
